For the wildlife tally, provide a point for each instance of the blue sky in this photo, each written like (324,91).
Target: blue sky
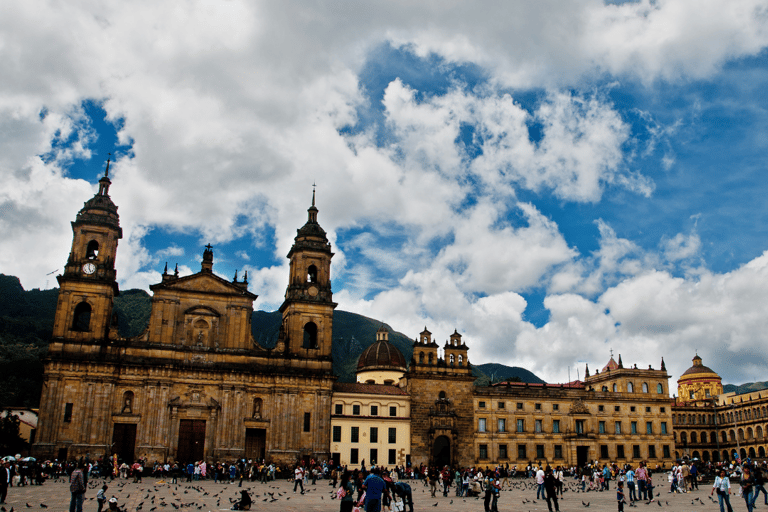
(529,175)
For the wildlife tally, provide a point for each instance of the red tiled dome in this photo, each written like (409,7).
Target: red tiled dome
(382,355)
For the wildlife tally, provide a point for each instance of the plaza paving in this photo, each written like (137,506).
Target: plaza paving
(153,495)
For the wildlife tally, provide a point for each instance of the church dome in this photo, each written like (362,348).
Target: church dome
(698,369)
(382,355)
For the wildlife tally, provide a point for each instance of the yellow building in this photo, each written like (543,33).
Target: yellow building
(620,415)
(371,418)
(716,426)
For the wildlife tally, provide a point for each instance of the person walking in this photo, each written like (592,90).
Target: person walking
(550,489)
(630,477)
(759,475)
(747,483)
(346,492)
(539,483)
(101,497)
(723,487)
(77,487)
(5,479)
(298,479)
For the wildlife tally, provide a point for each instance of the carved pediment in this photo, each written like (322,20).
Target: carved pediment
(579,407)
(204,283)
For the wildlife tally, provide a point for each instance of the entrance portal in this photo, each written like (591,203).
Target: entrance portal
(442,452)
(124,441)
(255,443)
(191,441)
(582,455)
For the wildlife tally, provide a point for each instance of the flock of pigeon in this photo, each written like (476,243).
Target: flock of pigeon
(187,497)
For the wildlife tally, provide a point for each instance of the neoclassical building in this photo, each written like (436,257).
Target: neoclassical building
(716,426)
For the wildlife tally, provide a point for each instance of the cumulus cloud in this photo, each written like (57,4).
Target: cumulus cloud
(233,109)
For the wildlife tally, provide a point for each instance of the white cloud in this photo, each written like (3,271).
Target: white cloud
(234,109)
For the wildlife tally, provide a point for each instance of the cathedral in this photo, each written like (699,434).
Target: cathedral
(195,385)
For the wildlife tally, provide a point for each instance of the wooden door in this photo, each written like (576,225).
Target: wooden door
(191,446)
(124,441)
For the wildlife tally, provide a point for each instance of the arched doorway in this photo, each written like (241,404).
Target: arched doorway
(442,452)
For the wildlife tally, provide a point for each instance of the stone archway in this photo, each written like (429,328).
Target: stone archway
(441,452)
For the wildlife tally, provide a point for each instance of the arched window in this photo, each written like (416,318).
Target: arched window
(312,274)
(92,251)
(630,388)
(703,437)
(431,357)
(712,438)
(461,360)
(421,357)
(645,387)
(759,432)
(683,437)
(604,388)
(693,437)
(441,395)
(310,335)
(723,437)
(659,389)
(750,434)
(615,387)
(452,359)
(81,320)
(127,403)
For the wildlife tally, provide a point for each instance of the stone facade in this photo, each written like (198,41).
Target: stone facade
(441,402)
(195,385)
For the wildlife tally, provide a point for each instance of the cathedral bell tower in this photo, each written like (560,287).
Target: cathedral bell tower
(307,327)
(88,284)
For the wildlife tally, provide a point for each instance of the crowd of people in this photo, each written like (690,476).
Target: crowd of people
(388,489)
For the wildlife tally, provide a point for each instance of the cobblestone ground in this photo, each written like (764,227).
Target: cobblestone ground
(154,495)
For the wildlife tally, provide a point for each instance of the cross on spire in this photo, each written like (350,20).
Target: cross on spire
(314,186)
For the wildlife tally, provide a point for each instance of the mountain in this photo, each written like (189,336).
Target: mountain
(745,388)
(498,373)
(26,322)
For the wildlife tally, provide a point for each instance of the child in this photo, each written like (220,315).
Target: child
(101,497)
(620,495)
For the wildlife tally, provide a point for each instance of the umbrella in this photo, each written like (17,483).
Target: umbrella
(29,459)
(9,458)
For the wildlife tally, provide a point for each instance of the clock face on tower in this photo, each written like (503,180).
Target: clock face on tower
(89,268)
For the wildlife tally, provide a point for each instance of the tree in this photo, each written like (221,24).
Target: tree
(11,441)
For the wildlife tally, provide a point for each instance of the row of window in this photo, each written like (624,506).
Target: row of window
(373,436)
(728,417)
(373,456)
(631,388)
(522,452)
(556,407)
(747,435)
(482,426)
(356,409)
